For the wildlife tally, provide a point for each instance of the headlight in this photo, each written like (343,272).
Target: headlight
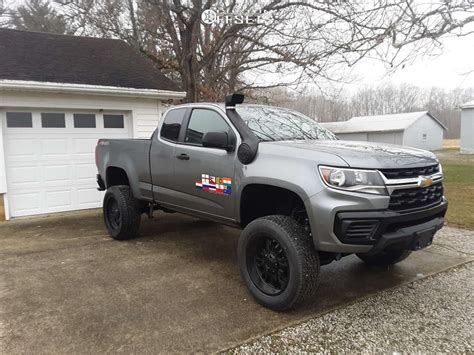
(366,181)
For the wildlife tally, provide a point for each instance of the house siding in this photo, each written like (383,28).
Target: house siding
(467,131)
(413,136)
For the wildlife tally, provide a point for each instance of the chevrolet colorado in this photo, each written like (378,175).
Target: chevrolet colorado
(302,197)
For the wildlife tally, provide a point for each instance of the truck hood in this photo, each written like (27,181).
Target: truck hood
(365,154)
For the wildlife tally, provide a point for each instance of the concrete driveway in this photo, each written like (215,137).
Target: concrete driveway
(65,286)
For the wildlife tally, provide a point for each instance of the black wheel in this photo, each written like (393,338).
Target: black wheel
(278,262)
(385,258)
(121,213)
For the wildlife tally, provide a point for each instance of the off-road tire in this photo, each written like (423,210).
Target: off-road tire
(385,258)
(303,260)
(128,222)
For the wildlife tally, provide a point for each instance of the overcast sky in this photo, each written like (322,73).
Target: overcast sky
(450,66)
(451,69)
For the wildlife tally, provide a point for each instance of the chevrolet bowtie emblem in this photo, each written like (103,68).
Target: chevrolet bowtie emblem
(424,181)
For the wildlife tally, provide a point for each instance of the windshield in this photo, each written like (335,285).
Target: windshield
(279,124)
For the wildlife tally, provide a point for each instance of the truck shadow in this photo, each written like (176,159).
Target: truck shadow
(200,242)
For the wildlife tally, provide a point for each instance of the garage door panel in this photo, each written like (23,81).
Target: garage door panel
(25,203)
(388,137)
(58,199)
(54,147)
(85,171)
(56,173)
(89,196)
(18,147)
(23,174)
(53,169)
(84,145)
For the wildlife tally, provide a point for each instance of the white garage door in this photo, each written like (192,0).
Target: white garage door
(389,137)
(50,158)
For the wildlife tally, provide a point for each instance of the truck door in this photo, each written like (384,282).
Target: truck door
(162,159)
(205,176)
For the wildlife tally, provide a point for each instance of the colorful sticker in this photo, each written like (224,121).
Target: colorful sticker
(218,185)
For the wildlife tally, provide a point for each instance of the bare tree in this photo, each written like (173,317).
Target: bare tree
(40,16)
(445,105)
(378,100)
(3,12)
(385,99)
(6,14)
(308,39)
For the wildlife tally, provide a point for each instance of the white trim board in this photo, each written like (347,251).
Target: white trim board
(47,87)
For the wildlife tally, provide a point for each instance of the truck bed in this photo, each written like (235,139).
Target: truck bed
(132,155)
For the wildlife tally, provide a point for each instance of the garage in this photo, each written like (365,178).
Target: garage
(49,158)
(414,129)
(58,96)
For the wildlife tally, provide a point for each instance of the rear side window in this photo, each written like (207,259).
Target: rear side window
(172,124)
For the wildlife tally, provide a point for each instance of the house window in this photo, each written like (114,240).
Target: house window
(53,120)
(113,121)
(19,119)
(424,136)
(84,120)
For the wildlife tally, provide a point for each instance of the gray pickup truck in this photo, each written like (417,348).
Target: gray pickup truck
(302,197)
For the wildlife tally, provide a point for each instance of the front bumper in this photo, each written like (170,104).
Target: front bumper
(328,209)
(387,229)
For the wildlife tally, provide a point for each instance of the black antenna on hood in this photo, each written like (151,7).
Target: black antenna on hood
(249,146)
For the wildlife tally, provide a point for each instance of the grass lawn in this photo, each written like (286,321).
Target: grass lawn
(459,187)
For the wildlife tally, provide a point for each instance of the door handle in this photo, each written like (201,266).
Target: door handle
(183,156)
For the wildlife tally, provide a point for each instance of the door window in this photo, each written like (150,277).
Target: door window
(172,124)
(113,121)
(84,120)
(53,120)
(203,121)
(19,119)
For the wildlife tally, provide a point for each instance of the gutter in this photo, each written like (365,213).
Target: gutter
(83,89)
(368,131)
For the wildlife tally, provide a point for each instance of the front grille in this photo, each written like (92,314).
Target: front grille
(407,173)
(361,229)
(412,198)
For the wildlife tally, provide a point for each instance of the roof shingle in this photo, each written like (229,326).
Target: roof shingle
(45,57)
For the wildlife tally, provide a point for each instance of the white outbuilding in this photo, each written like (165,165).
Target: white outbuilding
(467,128)
(58,95)
(414,129)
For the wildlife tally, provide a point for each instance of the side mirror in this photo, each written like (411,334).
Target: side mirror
(217,140)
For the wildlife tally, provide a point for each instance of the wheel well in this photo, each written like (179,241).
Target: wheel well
(116,176)
(263,200)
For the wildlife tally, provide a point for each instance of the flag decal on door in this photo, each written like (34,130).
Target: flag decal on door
(218,185)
